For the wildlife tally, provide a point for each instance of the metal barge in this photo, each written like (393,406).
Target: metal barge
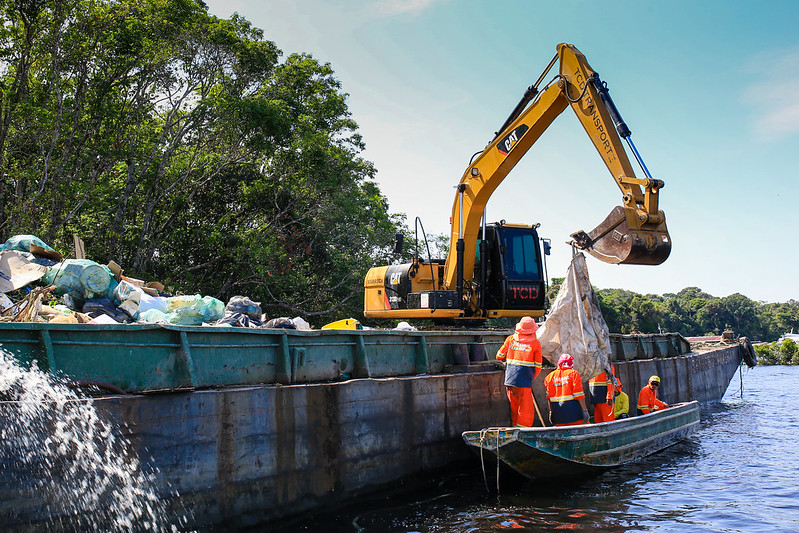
(249,425)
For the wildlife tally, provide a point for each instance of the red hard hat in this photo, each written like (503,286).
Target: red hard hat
(566,361)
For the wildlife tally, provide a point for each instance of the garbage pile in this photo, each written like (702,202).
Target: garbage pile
(81,291)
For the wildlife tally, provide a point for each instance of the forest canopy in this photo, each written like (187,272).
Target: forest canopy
(182,147)
(693,312)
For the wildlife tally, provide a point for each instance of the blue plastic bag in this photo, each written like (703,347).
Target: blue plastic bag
(81,278)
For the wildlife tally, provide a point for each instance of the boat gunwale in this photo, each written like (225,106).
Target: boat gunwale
(580,432)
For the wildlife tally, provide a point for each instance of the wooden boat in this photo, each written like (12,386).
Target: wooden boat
(541,452)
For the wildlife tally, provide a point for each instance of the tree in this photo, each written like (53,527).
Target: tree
(179,145)
(766,354)
(788,351)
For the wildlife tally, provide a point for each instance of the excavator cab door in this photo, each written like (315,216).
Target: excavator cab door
(619,239)
(514,276)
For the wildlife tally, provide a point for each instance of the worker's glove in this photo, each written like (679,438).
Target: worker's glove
(586,416)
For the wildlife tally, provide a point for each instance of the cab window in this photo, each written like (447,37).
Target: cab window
(521,256)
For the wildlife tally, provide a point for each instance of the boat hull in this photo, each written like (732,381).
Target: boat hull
(561,451)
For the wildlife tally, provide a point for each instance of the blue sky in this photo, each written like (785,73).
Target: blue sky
(707,89)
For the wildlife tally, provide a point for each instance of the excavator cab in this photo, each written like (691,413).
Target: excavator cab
(512,276)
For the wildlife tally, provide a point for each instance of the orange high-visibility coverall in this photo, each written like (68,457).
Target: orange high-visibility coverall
(564,387)
(521,353)
(648,401)
(603,395)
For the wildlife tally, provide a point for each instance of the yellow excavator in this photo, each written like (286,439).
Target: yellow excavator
(495,270)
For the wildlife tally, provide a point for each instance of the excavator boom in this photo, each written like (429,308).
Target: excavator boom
(633,233)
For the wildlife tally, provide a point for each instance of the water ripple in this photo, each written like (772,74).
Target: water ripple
(737,474)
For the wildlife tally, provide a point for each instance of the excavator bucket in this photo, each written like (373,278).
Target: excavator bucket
(614,242)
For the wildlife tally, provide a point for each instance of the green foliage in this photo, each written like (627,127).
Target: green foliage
(767,354)
(180,146)
(788,351)
(784,353)
(692,312)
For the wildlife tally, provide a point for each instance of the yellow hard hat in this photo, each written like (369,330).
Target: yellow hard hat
(654,378)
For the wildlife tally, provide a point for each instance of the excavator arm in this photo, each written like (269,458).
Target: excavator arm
(633,233)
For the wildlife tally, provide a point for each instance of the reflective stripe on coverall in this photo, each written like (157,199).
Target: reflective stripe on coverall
(603,393)
(564,386)
(522,357)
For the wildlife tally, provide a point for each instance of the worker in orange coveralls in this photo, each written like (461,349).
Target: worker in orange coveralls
(521,353)
(565,393)
(648,397)
(603,395)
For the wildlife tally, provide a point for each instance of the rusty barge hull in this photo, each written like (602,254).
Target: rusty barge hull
(243,455)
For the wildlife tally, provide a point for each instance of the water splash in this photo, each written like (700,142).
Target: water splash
(59,460)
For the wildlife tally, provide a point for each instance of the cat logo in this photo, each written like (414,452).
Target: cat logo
(395,278)
(509,141)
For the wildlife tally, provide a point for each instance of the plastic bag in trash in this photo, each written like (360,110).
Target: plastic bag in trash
(81,278)
(44,254)
(243,306)
(127,297)
(280,323)
(152,316)
(300,323)
(239,320)
(125,290)
(148,302)
(242,312)
(194,310)
(23,243)
(104,306)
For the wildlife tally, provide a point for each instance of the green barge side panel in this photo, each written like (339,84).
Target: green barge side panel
(152,357)
(144,357)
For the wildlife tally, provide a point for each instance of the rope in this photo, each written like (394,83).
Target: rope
(483,436)
(483,433)
(741,376)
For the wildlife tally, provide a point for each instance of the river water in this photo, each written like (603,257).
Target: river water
(739,472)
